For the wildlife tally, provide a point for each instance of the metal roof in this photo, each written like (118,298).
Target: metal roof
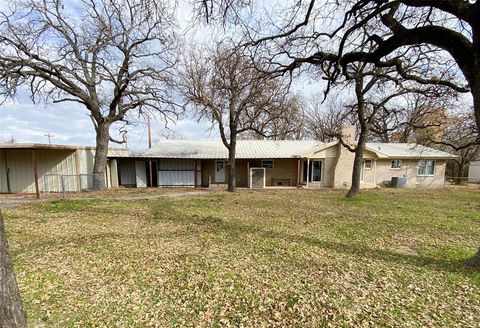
(406,150)
(114,152)
(215,149)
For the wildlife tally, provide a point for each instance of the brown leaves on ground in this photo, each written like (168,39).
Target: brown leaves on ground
(301,258)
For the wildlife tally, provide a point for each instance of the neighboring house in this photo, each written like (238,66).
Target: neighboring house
(474,172)
(262,163)
(35,168)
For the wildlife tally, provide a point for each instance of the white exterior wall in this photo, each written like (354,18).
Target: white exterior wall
(50,164)
(473,172)
(409,167)
(328,156)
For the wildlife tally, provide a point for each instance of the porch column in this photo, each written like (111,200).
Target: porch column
(151,173)
(248,174)
(308,171)
(298,172)
(35,173)
(194,173)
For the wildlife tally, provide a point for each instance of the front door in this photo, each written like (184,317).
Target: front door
(219,171)
(314,169)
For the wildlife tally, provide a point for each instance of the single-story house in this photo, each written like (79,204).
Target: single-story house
(474,172)
(263,163)
(36,168)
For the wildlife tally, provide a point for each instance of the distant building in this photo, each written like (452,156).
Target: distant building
(474,172)
(35,168)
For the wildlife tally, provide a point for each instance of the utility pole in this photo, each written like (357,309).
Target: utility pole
(149,127)
(49,136)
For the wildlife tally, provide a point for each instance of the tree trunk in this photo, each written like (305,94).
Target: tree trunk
(362,139)
(474,261)
(101,151)
(11,308)
(357,165)
(232,183)
(475,87)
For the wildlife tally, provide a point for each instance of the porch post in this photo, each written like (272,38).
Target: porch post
(194,173)
(248,174)
(298,173)
(308,171)
(35,173)
(151,173)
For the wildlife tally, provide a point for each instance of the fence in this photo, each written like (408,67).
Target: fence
(467,182)
(64,183)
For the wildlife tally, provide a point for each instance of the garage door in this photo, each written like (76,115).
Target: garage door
(178,173)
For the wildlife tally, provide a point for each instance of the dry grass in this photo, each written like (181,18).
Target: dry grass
(255,259)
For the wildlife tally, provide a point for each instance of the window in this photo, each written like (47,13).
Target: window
(267,164)
(426,167)
(396,164)
(368,164)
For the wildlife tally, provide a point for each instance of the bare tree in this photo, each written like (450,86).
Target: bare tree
(458,136)
(324,118)
(418,116)
(376,90)
(10,140)
(112,56)
(283,119)
(226,89)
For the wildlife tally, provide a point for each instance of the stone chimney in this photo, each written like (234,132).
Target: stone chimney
(348,134)
(344,164)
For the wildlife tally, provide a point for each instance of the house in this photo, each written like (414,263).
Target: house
(474,172)
(35,168)
(263,163)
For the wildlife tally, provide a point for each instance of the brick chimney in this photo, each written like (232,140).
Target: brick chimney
(344,164)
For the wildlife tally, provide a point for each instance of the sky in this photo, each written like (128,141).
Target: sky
(69,124)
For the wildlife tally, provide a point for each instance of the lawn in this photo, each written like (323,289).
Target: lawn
(291,258)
